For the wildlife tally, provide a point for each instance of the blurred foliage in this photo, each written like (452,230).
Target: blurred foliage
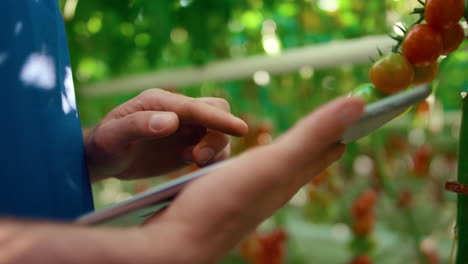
(109,39)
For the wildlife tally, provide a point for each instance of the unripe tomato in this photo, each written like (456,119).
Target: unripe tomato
(452,38)
(443,13)
(423,75)
(392,73)
(368,93)
(422,45)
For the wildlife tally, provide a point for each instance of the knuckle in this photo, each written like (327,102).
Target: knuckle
(192,105)
(134,125)
(100,140)
(150,92)
(223,103)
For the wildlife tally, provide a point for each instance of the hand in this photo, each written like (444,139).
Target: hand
(210,216)
(157,132)
(217,210)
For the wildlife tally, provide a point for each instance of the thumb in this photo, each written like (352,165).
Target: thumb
(322,129)
(137,126)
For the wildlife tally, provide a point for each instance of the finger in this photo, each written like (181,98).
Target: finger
(223,155)
(318,131)
(210,145)
(217,102)
(245,196)
(120,132)
(189,110)
(314,168)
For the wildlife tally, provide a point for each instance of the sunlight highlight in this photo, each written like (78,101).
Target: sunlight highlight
(261,78)
(329,5)
(68,96)
(69,9)
(271,44)
(39,71)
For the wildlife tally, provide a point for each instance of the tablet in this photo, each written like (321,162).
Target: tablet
(137,209)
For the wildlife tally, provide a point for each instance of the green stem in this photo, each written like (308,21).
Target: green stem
(391,191)
(462,202)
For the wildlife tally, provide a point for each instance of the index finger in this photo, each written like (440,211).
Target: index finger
(194,111)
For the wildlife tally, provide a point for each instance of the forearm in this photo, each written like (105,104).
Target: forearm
(26,242)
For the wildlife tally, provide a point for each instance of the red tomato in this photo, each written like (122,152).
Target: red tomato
(422,45)
(452,38)
(422,160)
(443,13)
(391,74)
(423,75)
(364,203)
(363,213)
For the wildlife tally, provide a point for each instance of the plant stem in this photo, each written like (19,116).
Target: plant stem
(462,201)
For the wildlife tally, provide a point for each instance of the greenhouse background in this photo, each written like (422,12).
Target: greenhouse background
(307,52)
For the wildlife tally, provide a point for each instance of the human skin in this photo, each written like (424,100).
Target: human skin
(158,132)
(210,216)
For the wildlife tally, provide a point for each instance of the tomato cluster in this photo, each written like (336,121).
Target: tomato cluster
(421,47)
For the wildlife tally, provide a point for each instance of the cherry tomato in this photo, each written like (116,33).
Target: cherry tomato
(422,161)
(392,73)
(364,203)
(368,93)
(422,45)
(423,75)
(452,38)
(443,13)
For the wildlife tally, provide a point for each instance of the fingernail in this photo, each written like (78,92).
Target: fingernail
(204,155)
(350,113)
(159,121)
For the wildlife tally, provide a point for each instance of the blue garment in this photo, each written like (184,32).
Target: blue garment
(42,167)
